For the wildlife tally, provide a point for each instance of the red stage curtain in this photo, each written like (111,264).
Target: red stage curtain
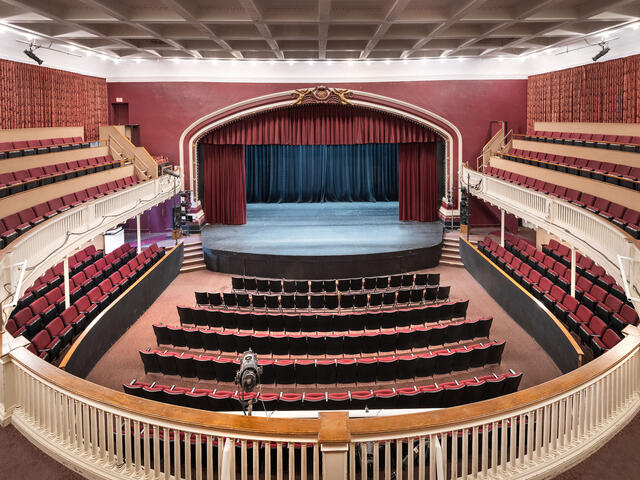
(418,181)
(33,96)
(320,125)
(597,92)
(225,195)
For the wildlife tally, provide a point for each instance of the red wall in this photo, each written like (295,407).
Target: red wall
(165,109)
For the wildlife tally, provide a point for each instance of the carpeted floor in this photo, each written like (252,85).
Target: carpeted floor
(122,362)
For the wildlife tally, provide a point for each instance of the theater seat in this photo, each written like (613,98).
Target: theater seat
(607,341)
(44,344)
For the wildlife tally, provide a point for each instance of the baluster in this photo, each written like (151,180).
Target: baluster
(485,448)
(243,459)
(267,461)
(443,442)
(156,451)
(410,460)
(135,437)
(398,459)
(464,468)
(220,451)
(387,460)
(303,461)
(66,425)
(292,460)
(209,446)
(127,443)
(94,431)
(363,460)
(504,430)
(421,459)
(432,458)
(198,460)
(279,472)
(146,446)
(86,427)
(376,461)
(352,461)
(531,442)
(454,455)
(494,448)
(118,427)
(166,436)
(177,460)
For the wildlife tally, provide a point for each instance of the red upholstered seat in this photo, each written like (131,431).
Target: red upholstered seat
(607,341)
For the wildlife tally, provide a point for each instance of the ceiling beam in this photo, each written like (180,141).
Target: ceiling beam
(324,13)
(256,17)
(453,18)
(393,13)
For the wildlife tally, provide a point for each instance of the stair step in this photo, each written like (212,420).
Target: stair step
(447,256)
(452,263)
(450,249)
(193,246)
(193,268)
(193,254)
(192,261)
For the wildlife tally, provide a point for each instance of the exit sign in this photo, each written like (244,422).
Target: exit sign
(118,99)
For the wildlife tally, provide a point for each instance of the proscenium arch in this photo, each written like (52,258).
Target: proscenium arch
(440,125)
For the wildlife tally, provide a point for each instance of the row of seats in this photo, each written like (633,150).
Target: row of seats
(49,341)
(54,276)
(323,343)
(447,394)
(30,319)
(21,180)
(322,321)
(16,224)
(615,173)
(564,306)
(329,301)
(21,148)
(557,266)
(601,295)
(585,267)
(344,285)
(327,371)
(625,218)
(627,143)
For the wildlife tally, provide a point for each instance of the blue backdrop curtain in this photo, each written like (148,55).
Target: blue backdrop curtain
(321,173)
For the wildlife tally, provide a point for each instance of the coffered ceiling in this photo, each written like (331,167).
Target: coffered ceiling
(318,30)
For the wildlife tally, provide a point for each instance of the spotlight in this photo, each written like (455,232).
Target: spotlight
(29,53)
(605,49)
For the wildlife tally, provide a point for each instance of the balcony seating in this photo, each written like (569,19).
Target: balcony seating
(599,303)
(12,226)
(23,148)
(320,343)
(46,306)
(342,370)
(616,174)
(21,180)
(344,285)
(428,396)
(628,220)
(625,143)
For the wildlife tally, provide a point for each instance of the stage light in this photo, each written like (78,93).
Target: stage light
(29,53)
(604,50)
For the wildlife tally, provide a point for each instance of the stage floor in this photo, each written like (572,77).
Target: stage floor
(336,228)
(321,240)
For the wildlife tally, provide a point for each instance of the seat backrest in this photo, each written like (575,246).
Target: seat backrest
(610,338)
(597,326)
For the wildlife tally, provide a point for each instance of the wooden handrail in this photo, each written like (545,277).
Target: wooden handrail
(308,429)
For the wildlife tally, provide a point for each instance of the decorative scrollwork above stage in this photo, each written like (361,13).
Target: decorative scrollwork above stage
(321,94)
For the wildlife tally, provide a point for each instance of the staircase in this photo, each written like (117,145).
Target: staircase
(451,251)
(193,258)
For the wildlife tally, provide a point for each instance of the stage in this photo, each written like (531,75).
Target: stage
(322,240)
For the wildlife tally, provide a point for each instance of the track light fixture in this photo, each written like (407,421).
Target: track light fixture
(604,50)
(29,52)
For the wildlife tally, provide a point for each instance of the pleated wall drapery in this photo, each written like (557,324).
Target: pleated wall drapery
(598,92)
(224,184)
(418,188)
(321,173)
(320,125)
(32,96)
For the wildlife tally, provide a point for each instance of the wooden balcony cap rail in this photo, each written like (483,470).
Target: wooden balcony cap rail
(323,429)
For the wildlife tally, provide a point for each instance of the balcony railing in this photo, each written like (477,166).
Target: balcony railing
(46,244)
(594,236)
